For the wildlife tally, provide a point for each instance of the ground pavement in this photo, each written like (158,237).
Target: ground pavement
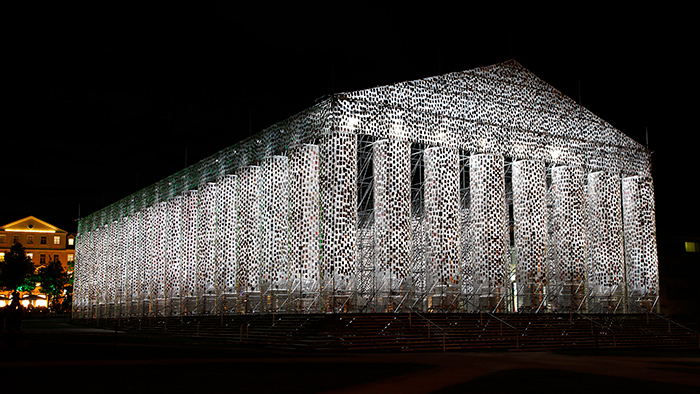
(57,356)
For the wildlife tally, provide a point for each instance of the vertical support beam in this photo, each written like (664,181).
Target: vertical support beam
(227,247)
(304,222)
(567,268)
(529,212)
(489,236)
(338,220)
(249,237)
(443,227)
(392,221)
(206,253)
(275,227)
(606,274)
(640,243)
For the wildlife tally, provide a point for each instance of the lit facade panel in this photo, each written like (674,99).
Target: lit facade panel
(530,233)
(392,215)
(441,194)
(640,237)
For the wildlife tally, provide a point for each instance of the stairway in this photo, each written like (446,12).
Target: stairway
(423,332)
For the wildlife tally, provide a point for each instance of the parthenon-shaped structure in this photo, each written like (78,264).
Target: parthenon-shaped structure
(484,189)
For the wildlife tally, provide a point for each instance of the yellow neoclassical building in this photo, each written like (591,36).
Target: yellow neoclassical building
(42,241)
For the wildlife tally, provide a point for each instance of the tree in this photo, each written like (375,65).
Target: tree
(53,279)
(16,267)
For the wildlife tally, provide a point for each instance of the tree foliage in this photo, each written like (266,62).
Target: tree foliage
(16,268)
(53,279)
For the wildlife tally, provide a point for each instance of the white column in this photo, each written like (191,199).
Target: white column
(529,213)
(249,235)
(174,255)
(304,222)
(227,217)
(338,217)
(640,242)
(205,280)
(392,214)
(441,188)
(567,268)
(188,257)
(489,236)
(160,249)
(605,251)
(275,227)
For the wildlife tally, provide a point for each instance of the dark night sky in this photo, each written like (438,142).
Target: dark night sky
(100,102)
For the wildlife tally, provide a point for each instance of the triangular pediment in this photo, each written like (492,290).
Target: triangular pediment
(31,224)
(501,108)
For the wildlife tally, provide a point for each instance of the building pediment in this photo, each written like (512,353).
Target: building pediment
(31,224)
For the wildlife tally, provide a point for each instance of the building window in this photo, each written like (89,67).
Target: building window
(42,259)
(15,239)
(55,258)
(692,247)
(2,256)
(71,241)
(31,256)
(2,238)
(30,239)
(71,257)
(56,239)
(43,240)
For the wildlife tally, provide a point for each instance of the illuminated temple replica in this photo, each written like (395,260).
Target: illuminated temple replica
(481,190)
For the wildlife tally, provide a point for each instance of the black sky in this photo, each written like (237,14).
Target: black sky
(100,102)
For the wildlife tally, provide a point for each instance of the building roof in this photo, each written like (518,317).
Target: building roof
(31,224)
(503,108)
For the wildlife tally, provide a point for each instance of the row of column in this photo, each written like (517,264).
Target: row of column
(283,236)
